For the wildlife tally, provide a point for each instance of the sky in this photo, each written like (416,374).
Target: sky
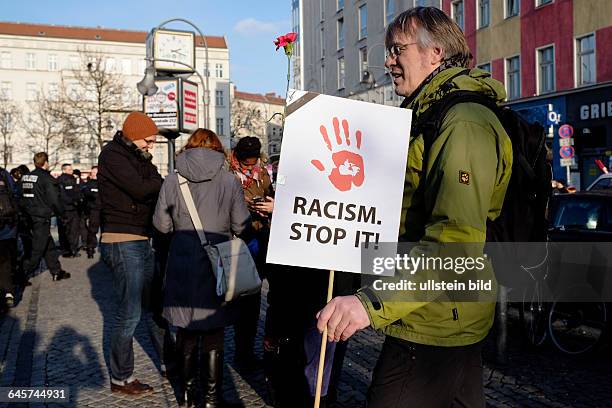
(249,27)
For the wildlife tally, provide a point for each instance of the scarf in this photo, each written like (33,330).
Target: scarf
(247,177)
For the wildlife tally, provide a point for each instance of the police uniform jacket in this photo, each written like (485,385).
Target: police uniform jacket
(40,194)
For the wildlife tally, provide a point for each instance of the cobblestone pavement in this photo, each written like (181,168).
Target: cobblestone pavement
(58,336)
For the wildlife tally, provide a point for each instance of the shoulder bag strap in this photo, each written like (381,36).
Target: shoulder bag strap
(193,212)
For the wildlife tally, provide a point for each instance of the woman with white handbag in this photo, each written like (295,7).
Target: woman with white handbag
(191,299)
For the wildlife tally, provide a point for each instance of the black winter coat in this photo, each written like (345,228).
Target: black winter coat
(40,194)
(70,193)
(128,185)
(91,196)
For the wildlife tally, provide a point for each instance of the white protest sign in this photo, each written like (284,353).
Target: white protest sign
(340,181)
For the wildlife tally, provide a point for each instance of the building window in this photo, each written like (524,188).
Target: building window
(322,78)
(6,90)
(322,42)
(585,60)
(219,98)
(457,13)
(546,69)
(512,8)
(219,70)
(485,67)
(542,2)
(31,91)
(340,5)
(484,13)
(363,21)
(220,130)
(341,73)
(6,60)
(52,62)
(110,65)
(363,63)
(30,61)
(54,91)
(126,66)
(340,33)
(513,78)
(389,11)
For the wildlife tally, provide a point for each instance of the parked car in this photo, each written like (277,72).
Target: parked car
(602,183)
(582,216)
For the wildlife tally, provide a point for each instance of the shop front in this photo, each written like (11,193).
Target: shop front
(579,130)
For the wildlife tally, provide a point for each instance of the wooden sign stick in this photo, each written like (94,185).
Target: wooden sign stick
(330,290)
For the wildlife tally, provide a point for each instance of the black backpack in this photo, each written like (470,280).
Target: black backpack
(8,207)
(523,214)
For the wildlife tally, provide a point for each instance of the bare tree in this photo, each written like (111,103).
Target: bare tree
(9,116)
(245,116)
(91,95)
(47,130)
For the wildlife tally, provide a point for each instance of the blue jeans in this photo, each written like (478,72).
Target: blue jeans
(132,266)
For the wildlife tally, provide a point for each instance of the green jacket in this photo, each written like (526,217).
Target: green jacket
(472,141)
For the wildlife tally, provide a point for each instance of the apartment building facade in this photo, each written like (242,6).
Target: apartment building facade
(36,58)
(551,55)
(258,115)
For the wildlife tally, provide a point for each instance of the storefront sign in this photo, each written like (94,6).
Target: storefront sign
(596,110)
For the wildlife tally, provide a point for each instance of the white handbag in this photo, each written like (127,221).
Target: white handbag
(231,261)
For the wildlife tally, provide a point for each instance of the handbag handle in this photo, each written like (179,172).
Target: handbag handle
(193,213)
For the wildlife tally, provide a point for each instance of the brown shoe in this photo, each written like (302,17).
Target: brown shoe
(132,388)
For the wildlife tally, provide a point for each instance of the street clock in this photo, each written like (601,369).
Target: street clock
(173,45)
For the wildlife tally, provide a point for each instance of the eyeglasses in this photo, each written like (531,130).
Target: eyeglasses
(149,142)
(395,50)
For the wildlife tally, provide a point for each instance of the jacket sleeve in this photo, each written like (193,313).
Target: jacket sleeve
(162,219)
(126,177)
(52,194)
(240,217)
(459,190)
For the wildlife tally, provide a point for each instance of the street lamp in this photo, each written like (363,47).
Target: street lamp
(147,86)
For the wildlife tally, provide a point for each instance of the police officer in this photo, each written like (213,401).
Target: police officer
(92,211)
(40,200)
(70,222)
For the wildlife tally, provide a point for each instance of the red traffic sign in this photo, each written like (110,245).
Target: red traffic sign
(566,131)
(566,152)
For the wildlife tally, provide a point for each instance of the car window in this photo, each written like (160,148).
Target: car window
(578,214)
(603,184)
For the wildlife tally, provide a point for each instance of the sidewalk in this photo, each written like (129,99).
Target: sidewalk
(55,337)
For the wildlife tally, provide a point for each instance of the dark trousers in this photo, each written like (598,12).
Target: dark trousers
(69,227)
(42,246)
(426,376)
(93,224)
(245,329)
(8,251)
(132,267)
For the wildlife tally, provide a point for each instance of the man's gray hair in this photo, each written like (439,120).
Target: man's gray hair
(431,27)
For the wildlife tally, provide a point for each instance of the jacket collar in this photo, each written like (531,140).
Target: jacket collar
(131,147)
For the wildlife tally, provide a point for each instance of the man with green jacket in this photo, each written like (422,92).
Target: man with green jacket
(432,352)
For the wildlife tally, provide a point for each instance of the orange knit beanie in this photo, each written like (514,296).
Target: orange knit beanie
(138,126)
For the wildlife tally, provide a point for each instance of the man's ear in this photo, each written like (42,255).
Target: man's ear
(436,55)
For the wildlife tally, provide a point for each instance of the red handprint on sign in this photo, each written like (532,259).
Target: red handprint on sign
(348,169)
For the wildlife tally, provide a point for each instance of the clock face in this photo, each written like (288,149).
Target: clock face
(175,46)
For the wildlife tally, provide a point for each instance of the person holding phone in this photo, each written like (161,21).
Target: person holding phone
(246,164)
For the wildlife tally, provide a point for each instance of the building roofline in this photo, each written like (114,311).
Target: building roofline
(254,97)
(90,33)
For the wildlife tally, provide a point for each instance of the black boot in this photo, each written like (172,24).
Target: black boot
(90,253)
(212,379)
(187,350)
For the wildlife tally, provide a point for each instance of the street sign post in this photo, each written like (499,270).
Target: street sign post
(566,131)
(566,152)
